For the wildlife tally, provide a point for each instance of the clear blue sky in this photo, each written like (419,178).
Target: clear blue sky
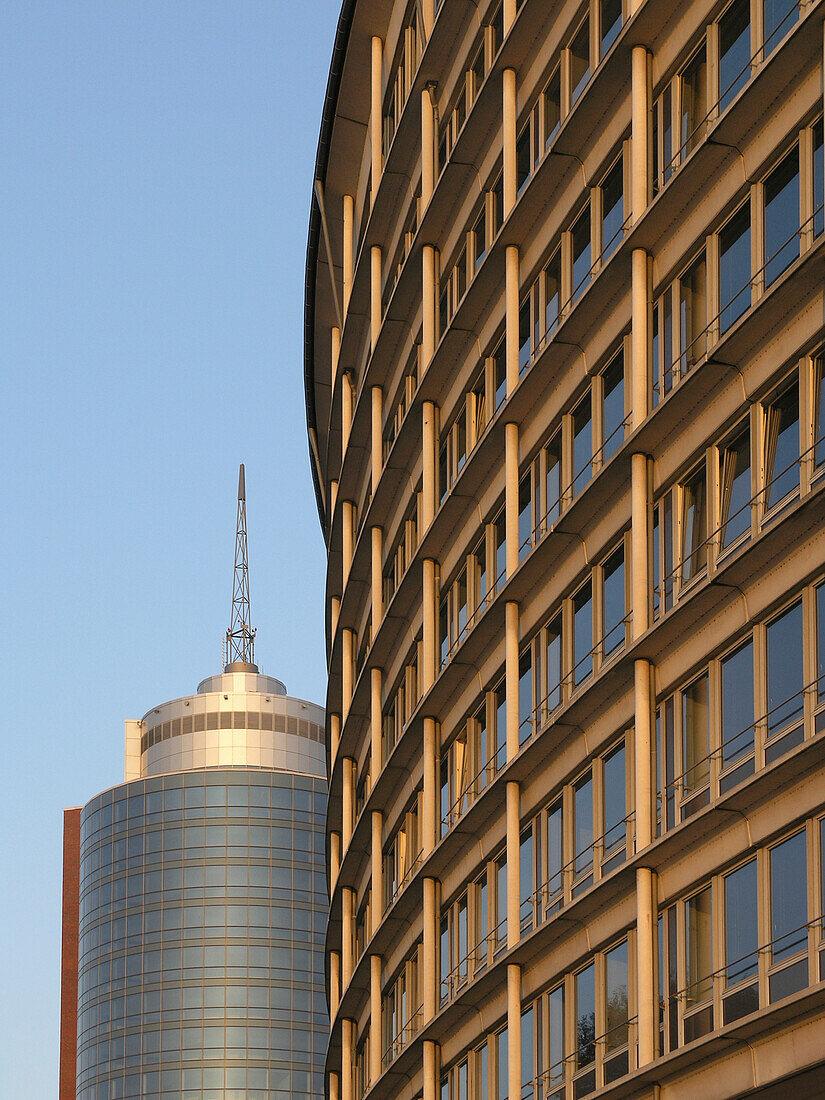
(156,165)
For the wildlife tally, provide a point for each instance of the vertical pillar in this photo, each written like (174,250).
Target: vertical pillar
(346,410)
(349,244)
(430,1070)
(375,1017)
(376,755)
(427,17)
(427,305)
(514,1030)
(347,665)
(334,982)
(347,801)
(511,676)
(335,352)
(643,723)
(508,153)
(427,147)
(513,866)
(430,952)
(377,869)
(375,294)
(646,949)
(333,494)
(334,858)
(334,1087)
(428,488)
(377,578)
(377,451)
(640,114)
(347,538)
(430,625)
(511,308)
(347,928)
(334,734)
(639,340)
(347,1058)
(640,549)
(429,814)
(511,480)
(376,113)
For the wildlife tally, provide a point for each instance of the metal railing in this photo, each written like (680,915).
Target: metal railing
(403,1037)
(474,961)
(554,1078)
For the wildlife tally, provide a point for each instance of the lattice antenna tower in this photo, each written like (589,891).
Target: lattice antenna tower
(239,646)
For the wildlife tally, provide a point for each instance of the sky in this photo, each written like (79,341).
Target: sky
(155,180)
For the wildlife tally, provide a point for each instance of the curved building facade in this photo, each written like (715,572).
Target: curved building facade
(565,381)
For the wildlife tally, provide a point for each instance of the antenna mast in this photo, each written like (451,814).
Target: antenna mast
(240,637)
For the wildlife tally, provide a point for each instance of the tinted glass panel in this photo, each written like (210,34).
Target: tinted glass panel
(737,704)
(582,634)
(782,217)
(734,267)
(785,674)
(734,51)
(736,488)
(779,16)
(585,1016)
(613,410)
(582,261)
(741,925)
(612,209)
(789,897)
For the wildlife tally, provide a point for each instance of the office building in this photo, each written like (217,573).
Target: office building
(195,897)
(564,337)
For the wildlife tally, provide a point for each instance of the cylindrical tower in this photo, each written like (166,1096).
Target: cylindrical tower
(565,379)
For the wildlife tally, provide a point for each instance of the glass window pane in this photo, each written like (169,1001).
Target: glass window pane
(501,1065)
(737,704)
(819,411)
(555,1026)
(585,1016)
(554,852)
(735,477)
(583,823)
(789,897)
(582,634)
(699,953)
(582,261)
(694,526)
(819,180)
(525,696)
(525,515)
(582,445)
(779,16)
(614,602)
(734,51)
(782,446)
(782,216)
(695,735)
(820,652)
(552,481)
(616,1007)
(734,267)
(693,315)
(613,410)
(579,61)
(694,88)
(612,209)
(552,293)
(611,22)
(553,667)
(785,672)
(741,925)
(615,804)
(527,1046)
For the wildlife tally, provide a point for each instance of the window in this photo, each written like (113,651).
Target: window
(782,446)
(582,634)
(785,681)
(613,407)
(585,989)
(782,216)
(694,102)
(734,52)
(735,487)
(695,741)
(617,1013)
(614,602)
(524,158)
(789,917)
(819,180)
(552,480)
(502,1084)
(554,882)
(582,261)
(693,331)
(819,411)
(663,138)
(741,942)
(551,106)
(699,962)
(526,704)
(610,20)
(612,189)
(614,809)
(583,832)
(478,238)
(737,714)
(734,267)
(662,347)
(552,294)
(524,328)
(779,16)
(582,445)
(579,61)
(554,670)
(694,550)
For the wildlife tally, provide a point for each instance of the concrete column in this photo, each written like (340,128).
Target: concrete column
(430,625)
(430,952)
(511,480)
(428,455)
(513,866)
(645,784)
(376,112)
(640,115)
(346,410)
(639,339)
(375,723)
(377,869)
(347,664)
(430,1070)
(334,1087)
(334,612)
(334,734)
(640,549)
(347,929)
(429,810)
(514,1030)
(375,294)
(375,1017)
(335,352)
(427,147)
(347,1058)
(377,452)
(334,858)
(511,306)
(377,578)
(508,153)
(334,982)
(347,538)
(427,305)
(646,952)
(349,244)
(511,675)
(347,801)
(333,494)
(427,17)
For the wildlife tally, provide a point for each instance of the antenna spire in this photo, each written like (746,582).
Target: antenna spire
(240,637)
